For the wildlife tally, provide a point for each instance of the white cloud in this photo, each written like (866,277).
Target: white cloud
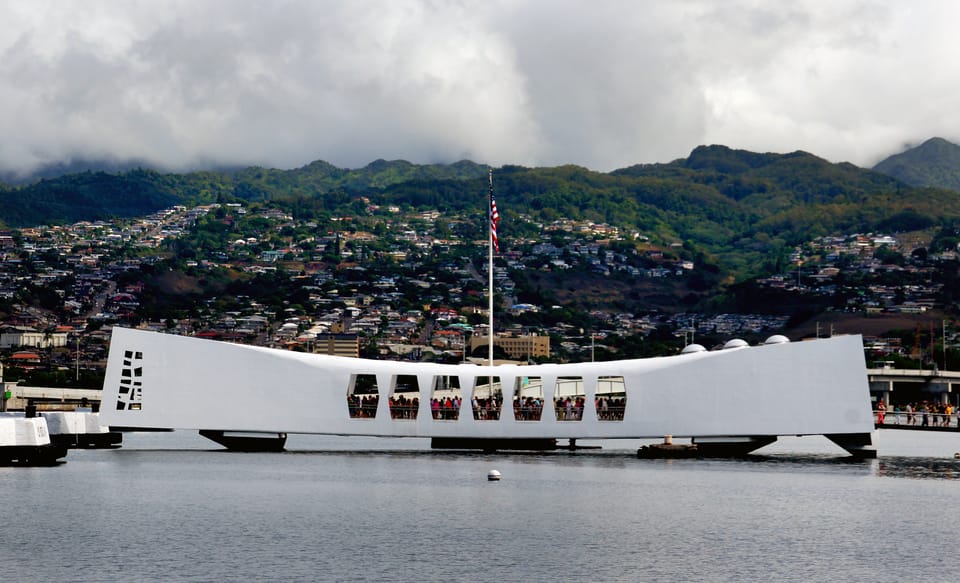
(602,84)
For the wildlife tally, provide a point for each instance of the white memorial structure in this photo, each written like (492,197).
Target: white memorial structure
(729,401)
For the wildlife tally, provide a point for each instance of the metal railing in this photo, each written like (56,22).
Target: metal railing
(917,419)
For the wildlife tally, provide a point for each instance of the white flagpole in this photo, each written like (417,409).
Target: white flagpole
(490,269)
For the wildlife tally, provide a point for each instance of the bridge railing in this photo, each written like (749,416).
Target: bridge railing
(915,373)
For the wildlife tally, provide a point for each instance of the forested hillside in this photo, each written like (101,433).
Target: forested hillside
(740,209)
(934,163)
(97,195)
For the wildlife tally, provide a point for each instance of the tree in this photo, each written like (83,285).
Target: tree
(888,256)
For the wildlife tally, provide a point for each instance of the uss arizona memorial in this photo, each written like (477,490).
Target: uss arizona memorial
(734,400)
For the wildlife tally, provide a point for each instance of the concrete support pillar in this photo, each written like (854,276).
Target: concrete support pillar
(885,395)
(859,445)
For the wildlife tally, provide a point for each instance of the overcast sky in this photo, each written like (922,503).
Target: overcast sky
(603,84)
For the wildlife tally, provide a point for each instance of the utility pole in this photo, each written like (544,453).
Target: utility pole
(918,348)
(943,335)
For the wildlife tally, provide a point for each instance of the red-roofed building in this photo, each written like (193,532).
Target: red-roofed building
(25,360)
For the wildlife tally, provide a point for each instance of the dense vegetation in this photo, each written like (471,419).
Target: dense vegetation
(741,210)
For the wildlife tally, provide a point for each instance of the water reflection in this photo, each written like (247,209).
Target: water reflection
(905,455)
(918,468)
(884,467)
(888,467)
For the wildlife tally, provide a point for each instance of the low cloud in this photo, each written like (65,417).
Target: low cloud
(603,84)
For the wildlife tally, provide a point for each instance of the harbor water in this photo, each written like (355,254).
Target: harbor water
(174,506)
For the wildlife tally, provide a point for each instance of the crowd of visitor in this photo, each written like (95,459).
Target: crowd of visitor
(488,408)
(447,409)
(922,414)
(403,408)
(363,407)
(569,408)
(526,408)
(610,408)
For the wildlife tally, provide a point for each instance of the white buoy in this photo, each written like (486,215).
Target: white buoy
(493,476)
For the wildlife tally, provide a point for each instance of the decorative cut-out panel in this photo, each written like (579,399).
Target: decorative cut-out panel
(130,395)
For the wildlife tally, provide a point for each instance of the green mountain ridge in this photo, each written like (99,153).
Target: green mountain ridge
(94,195)
(741,210)
(934,163)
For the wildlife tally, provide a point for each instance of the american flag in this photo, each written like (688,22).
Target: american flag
(494,218)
